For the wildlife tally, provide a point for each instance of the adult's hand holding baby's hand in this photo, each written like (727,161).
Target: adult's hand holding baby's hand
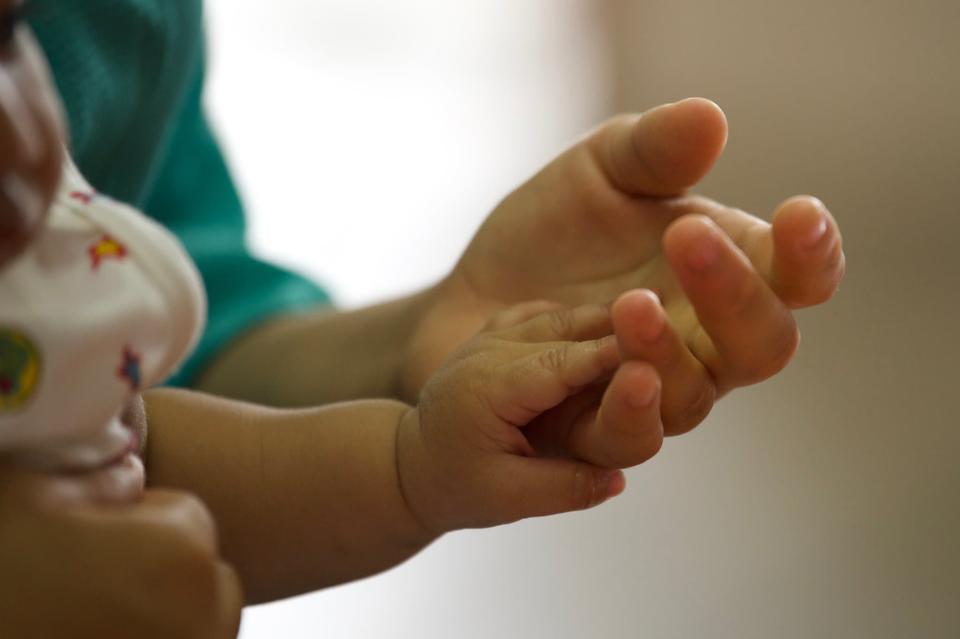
(81,559)
(612,214)
(501,429)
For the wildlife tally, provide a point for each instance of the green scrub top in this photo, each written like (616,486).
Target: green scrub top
(130,73)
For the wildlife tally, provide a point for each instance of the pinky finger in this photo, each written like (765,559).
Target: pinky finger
(808,259)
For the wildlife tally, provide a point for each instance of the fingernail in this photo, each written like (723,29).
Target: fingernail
(706,254)
(616,483)
(815,235)
(652,329)
(643,396)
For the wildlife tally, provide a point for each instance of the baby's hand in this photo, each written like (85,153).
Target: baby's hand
(464,456)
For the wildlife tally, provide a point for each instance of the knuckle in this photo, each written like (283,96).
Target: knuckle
(500,319)
(562,322)
(555,359)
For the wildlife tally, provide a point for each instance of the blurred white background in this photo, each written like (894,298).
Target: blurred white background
(371,137)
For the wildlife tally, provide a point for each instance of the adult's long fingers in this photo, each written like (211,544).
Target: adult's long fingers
(626,429)
(749,333)
(644,333)
(800,255)
(808,259)
(663,152)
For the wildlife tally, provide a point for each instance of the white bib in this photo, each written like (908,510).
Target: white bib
(103,304)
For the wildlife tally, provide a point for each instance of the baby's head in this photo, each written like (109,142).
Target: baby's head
(31,133)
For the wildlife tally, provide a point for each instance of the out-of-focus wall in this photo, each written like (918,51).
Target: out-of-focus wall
(827,502)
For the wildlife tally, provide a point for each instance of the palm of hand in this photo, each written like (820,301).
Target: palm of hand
(610,215)
(570,236)
(576,240)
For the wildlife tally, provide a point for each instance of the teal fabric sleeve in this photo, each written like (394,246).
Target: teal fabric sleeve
(195,198)
(130,73)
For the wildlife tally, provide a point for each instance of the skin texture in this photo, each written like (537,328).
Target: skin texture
(611,214)
(315,497)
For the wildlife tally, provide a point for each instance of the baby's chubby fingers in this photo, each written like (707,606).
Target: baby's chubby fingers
(537,487)
(521,389)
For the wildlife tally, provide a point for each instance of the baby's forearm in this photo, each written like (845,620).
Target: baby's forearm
(303,499)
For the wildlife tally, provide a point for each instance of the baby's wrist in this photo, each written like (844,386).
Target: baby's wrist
(415,482)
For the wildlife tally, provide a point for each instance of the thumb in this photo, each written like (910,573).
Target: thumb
(536,487)
(663,152)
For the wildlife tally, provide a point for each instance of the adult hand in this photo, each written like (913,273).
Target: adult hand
(612,214)
(80,560)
